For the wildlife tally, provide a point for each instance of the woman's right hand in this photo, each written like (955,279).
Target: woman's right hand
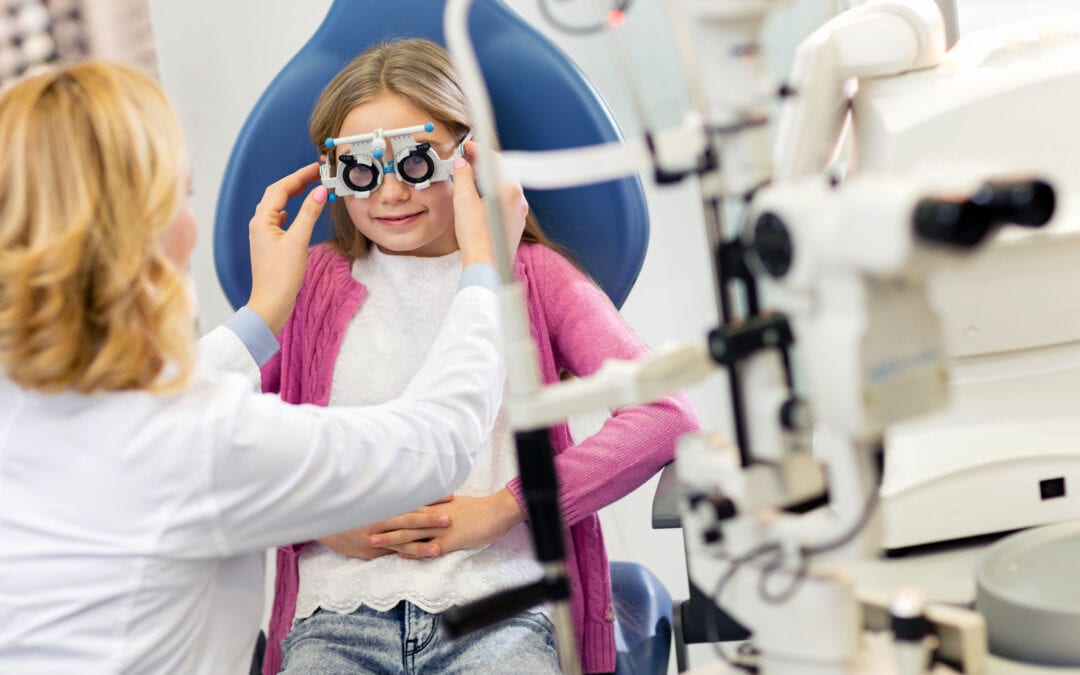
(470,215)
(279,256)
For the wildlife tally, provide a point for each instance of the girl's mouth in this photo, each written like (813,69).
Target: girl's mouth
(397,221)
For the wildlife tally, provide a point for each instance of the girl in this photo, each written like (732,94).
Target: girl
(367,306)
(138,493)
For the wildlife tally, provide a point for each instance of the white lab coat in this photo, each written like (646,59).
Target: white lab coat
(133,526)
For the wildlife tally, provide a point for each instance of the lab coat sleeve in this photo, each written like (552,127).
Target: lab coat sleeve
(287,473)
(221,349)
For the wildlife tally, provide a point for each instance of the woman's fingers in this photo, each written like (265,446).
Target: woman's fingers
(281,191)
(465,193)
(304,222)
(471,217)
(514,209)
(470,221)
(279,257)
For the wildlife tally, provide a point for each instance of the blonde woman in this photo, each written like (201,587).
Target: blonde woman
(137,490)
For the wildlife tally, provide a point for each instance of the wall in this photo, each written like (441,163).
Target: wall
(215,58)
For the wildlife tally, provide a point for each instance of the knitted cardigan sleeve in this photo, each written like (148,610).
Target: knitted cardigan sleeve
(586,330)
(292,336)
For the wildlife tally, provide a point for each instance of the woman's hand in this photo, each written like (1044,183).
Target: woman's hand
(279,257)
(474,522)
(470,216)
(413,526)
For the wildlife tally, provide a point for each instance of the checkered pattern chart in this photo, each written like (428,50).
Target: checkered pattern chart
(37,32)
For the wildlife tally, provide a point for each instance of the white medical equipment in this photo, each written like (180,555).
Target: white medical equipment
(862,267)
(1003,454)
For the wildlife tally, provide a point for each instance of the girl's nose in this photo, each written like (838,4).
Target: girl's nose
(393,190)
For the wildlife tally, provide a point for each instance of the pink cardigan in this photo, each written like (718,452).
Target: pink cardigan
(576,329)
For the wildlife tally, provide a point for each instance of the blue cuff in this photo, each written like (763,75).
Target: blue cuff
(255,334)
(480,274)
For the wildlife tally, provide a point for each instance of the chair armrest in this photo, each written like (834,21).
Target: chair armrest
(665,503)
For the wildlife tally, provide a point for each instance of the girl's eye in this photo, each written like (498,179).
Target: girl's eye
(417,167)
(361,177)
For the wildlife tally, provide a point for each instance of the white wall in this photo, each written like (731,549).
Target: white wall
(216,57)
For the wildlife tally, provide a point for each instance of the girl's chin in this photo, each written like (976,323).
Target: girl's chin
(423,250)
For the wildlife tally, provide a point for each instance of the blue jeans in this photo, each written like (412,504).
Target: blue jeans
(407,640)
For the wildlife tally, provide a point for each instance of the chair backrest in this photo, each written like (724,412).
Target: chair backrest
(541,101)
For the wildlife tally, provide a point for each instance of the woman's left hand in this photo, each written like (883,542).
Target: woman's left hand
(474,522)
(470,214)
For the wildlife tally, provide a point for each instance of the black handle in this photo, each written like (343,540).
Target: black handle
(540,487)
(458,621)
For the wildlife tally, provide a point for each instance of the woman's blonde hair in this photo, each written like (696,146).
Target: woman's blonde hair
(415,69)
(90,180)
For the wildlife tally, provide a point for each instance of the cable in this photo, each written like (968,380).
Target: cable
(869,506)
(806,552)
(624,62)
(570,29)
(770,569)
(711,631)
(775,565)
(688,57)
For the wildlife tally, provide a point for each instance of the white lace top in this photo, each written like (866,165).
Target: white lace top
(383,347)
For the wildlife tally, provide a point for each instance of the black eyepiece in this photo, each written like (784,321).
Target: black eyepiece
(967,222)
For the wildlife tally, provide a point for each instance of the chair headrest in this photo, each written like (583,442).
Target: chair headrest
(541,101)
